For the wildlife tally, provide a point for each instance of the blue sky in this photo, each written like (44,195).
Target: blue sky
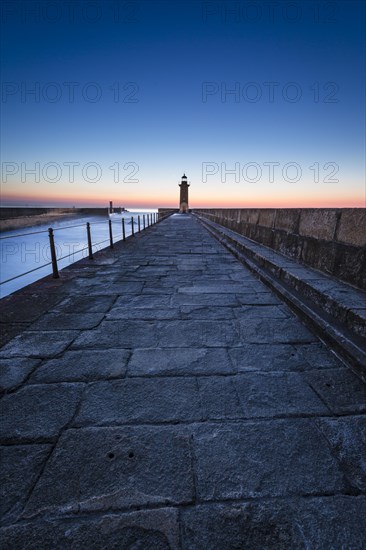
(172,62)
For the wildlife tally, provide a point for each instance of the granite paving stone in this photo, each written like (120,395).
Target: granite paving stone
(113,289)
(14,371)
(347,438)
(8,331)
(340,389)
(169,279)
(141,313)
(208,277)
(313,523)
(39,412)
(241,274)
(119,334)
(155,529)
(228,300)
(317,356)
(24,307)
(105,259)
(137,400)
(179,362)
(83,304)
(265,459)
(256,395)
(197,333)
(157,289)
(161,259)
(274,331)
(256,287)
(261,298)
(125,467)
(121,276)
(38,344)
(245,526)
(246,313)
(65,321)
(20,466)
(202,312)
(83,366)
(131,302)
(148,271)
(217,288)
(56,289)
(102,287)
(268,357)
(164,398)
(219,398)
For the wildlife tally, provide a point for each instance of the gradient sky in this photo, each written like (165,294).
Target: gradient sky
(161,69)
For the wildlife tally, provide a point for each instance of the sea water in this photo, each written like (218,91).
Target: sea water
(28,248)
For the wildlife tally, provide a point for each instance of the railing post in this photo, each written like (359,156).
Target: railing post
(139,225)
(143,221)
(132,227)
(123,229)
(90,248)
(53,254)
(151,222)
(110,234)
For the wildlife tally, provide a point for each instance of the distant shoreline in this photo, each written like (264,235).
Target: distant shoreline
(19,217)
(30,221)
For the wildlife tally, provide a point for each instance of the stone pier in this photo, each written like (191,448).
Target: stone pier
(162,397)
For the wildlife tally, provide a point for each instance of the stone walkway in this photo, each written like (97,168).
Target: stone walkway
(167,399)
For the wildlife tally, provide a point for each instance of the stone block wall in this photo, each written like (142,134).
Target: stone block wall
(332,240)
(164,212)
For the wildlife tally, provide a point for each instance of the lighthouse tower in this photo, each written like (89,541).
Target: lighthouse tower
(183,201)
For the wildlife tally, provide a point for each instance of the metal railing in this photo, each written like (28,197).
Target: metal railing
(147,221)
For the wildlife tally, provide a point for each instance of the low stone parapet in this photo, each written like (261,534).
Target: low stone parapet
(332,240)
(334,310)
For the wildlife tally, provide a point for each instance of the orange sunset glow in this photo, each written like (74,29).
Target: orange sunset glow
(200,196)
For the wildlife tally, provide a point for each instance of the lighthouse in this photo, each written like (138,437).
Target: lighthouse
(183,201)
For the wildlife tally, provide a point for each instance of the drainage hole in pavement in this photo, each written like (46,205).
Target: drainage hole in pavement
(111,456)
(131,454)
